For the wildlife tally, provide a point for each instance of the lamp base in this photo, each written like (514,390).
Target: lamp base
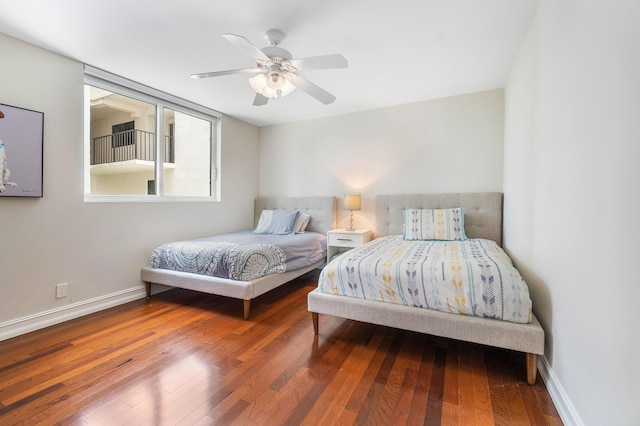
(351,228)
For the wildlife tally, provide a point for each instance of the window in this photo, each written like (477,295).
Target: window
(143,144)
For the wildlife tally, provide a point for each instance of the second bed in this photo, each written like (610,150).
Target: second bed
(247,253)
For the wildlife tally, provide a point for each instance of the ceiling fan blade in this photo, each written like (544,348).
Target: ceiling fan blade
(260,100)
(247,46)
(313,90)
(320,62)
(227,72)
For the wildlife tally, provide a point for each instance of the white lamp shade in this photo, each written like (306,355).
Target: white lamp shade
(274,85)
(352,202)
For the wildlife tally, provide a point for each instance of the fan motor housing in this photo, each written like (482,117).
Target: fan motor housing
(276,52)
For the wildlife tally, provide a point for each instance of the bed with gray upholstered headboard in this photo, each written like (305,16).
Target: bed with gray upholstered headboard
(322,212)
(482,219)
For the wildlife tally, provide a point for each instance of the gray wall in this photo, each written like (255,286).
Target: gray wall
(572,145)
(446,145)
(98,248)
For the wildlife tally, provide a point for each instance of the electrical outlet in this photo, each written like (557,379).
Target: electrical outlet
(62,290)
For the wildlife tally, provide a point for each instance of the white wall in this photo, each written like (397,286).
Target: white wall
(572,145)
(446,145)
(98,248)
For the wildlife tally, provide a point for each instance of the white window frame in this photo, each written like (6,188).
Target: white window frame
(122,86)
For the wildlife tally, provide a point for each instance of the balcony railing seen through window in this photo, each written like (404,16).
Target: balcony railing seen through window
(129,145)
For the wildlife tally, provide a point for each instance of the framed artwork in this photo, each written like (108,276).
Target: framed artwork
(21,147)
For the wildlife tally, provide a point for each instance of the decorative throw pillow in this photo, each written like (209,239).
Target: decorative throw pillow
(435,224)
(276,222)
(302,222)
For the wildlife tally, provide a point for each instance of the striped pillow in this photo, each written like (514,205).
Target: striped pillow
(434,224)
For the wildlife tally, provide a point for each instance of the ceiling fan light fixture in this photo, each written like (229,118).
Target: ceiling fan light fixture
(273,85)
(275,80)
(275,71)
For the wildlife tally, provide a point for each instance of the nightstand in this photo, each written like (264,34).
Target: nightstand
(340,240)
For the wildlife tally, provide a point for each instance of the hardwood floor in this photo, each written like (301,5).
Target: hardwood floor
(185,358)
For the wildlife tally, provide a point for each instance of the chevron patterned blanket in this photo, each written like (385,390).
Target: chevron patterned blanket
(472,277)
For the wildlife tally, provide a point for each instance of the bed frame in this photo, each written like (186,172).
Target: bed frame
(483,219)
(323,218)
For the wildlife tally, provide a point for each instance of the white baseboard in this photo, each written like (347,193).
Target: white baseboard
(40,320)
(560,398)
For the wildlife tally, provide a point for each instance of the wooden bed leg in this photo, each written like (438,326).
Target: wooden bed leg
(314,318)
(148,287)
(532,368)
(247,308)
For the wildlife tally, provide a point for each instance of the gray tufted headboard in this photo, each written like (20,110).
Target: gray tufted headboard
(482,212)
(321,209)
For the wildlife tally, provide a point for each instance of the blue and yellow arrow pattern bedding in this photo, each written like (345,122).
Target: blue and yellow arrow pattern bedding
(471,277)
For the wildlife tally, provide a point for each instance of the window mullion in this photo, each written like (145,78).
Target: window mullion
(159,166)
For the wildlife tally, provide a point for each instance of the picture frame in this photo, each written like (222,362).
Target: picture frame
(21,152)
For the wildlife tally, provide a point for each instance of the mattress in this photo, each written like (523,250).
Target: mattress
(241,255)
(472,277)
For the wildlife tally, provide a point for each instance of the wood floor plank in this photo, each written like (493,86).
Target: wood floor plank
(233,413)
(531,403)
(517,412)
(497,394)
(450,391)
(400,413)
(301,393)
(547,404)
(359,396)
(266,370)
(187,358)
(482,400)
(420,398)
(94,388)
(268,336)
(433,415)
(406,367)
(466,396)
(339,390)
(450,404)
(106,377)
(450,415)
(382,394)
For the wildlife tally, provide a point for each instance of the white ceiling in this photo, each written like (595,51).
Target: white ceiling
(399,51)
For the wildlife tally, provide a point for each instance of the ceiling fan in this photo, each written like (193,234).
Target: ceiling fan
(277,73)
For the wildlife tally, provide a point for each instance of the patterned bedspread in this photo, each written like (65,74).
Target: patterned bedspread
(472,277)
(220,259)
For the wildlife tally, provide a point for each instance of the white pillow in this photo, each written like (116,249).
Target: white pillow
(302,222)
(279,222)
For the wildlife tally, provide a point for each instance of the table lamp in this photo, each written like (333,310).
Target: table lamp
(351,203)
